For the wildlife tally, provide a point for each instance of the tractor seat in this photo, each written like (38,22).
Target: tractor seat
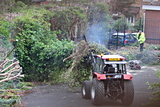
(111,70)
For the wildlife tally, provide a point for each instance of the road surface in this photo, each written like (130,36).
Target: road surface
(61,96)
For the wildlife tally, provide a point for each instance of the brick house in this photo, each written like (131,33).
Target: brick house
(149,11)
(136,12)
(152,23)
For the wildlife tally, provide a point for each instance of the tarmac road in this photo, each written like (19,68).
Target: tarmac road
(61,96)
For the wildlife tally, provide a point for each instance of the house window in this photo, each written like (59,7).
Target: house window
(131,20)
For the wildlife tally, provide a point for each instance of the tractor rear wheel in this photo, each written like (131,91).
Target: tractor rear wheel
(97,92)
(128,95)
(86,90)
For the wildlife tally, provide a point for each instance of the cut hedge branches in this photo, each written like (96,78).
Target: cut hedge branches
(9,70)
(81,68)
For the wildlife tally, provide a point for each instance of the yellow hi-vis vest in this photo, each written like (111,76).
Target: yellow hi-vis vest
(142,38)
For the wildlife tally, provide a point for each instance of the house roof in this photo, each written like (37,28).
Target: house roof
(150,7)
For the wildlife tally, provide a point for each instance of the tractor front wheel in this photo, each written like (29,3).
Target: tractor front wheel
(86,90)
(97,92)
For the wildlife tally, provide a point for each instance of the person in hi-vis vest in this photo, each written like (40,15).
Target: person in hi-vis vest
(141,39)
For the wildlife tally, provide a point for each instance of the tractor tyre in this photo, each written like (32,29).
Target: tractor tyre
(128,95)
(86,90)
(97,92)
(139,68)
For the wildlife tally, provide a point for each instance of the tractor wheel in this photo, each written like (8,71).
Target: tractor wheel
(128,95)
(97,92)
(86,90)
(139,68)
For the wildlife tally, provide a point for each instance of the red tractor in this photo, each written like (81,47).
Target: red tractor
(109,80)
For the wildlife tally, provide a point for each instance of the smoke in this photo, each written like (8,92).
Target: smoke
(98,33)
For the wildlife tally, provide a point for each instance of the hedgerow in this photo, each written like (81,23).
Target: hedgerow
(39,51)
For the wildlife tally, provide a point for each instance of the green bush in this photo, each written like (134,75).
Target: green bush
(6,5)
(5,34)
(5,27)
(81,72)
(17,7)
(38,50)
(67,21)
(47,60)
(24,1)
(155,86)
(10,93)
(81,66)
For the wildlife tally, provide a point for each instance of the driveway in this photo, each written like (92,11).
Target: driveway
(61,96)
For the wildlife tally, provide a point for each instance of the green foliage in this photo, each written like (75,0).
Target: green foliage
(6,5)
(5,27)
(66,20)
(35,13)
(12,6)
(5,34)
(25,1)
(81,66)
(11,84)
(11,92)
(80,73)
(120,24)
(47,60)
(49,6)
(98,13)
(147,57)
(38,50)
(7,102)
(17,7)
(139,24)
(79,69)
(156,87)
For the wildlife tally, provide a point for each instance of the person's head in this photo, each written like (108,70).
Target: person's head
(140,31)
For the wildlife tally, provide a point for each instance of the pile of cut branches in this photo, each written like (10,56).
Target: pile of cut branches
(79,69)
(9,70)
(80,51)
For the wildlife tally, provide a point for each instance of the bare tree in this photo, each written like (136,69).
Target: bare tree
(121,6)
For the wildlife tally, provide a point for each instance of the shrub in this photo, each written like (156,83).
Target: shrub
(81,68)
(17,6)
(5,28)
(38,50)
(47,60)
(11,92)
(155,86)
(5,34)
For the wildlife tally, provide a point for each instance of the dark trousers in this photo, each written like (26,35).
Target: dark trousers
(141,47)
